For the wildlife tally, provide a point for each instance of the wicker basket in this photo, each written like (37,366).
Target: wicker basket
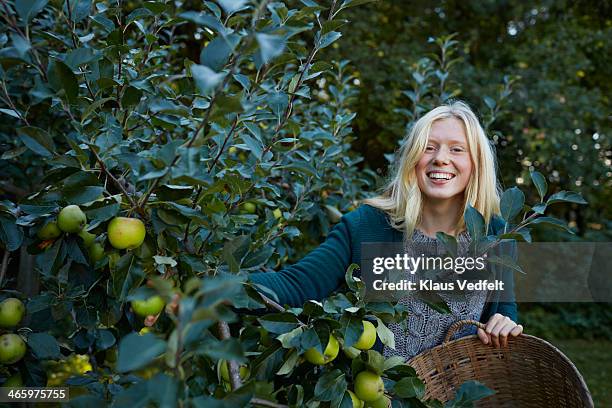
(528,373)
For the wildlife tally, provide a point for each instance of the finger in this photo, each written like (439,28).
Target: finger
(503,334)
(496,331)
(517,330)
(483,336)
(492,322)
(496,324)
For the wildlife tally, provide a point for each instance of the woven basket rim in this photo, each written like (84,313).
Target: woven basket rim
(557,351)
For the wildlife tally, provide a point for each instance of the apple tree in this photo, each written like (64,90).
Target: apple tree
(153,155)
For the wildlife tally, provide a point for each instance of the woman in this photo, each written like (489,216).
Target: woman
(445,164)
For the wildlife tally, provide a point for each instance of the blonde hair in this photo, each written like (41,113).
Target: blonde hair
(401,196)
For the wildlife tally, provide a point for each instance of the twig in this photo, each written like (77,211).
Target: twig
(271,304)
(10,103)
(4,267)
(266,403)
(232,366)
(117,182)
(13,23)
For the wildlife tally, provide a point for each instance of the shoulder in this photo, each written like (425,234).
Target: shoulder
(365,213)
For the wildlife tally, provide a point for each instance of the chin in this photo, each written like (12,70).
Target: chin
(441,196)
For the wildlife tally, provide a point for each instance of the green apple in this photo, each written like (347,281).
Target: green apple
(357,403)
(14,381)
(233,150)
(313,355)
(126,233)
(369,386)
(96,252)
(87,237)
(367,338)
(382,402)
(11,312)
(351,352)
(224,371)
(71,219)
(278,214)
(249,208)
(148,307)
(49,231)
(12,348)
(264,337)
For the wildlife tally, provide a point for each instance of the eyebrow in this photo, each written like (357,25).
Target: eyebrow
(451,141)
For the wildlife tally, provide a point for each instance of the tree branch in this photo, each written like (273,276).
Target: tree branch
(4,267)
(117,182)
(232,366)
(266,403)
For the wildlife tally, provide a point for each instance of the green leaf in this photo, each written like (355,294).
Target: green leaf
(81,56)
(12,113)
(353,3)
(468,393)
(540,182)
(392,362)
(474,223)
(231,6)
(28,9)
(234,251)
(83,195)
(270,46)
(330,385)
(384,334)
(257,259)
(566,197)
(505,261)
(216,54)
(290,362)
(10,233)
(136,351)
(105,339)
(328,39)
(205,78)
(351,329)
(44,346)
(490,102)
(21,44)
(131,96)
(409,387)
(539,208)
(512,202)
(205,20)
(552,222)
(103,210)
(434,301)
(61,78)
(37,140)
(449,242)
(80,9)
(279,322)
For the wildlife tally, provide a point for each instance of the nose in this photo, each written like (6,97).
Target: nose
(441,156)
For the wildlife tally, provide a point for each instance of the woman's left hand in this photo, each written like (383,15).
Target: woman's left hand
(497,330)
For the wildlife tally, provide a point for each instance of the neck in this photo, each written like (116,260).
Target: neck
(441,215)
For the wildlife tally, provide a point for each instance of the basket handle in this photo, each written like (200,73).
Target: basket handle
(459,324)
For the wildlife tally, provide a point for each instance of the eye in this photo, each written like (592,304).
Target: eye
(430,148)
(458,149)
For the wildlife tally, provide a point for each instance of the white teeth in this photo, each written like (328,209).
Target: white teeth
(441,176)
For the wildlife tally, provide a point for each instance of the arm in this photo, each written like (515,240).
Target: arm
(316,275)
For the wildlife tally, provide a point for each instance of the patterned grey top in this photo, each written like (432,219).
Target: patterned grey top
(425,328)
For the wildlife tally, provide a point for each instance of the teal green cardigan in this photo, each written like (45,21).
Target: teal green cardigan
(321,272)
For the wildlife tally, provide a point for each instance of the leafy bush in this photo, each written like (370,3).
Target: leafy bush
(194,145)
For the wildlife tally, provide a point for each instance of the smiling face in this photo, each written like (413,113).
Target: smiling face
(444,170)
